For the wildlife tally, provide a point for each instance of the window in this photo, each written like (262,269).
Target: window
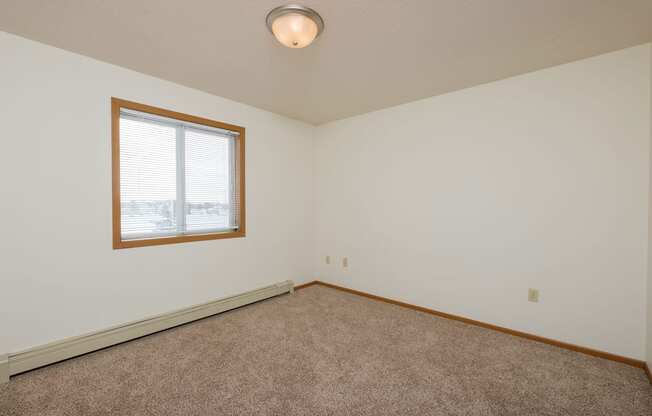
(176,177)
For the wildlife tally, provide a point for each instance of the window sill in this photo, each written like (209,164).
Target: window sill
(120,244)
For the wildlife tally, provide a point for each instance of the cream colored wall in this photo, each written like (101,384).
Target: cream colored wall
(59,275)
(462,202)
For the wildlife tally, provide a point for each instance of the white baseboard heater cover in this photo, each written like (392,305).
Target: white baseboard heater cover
(53,352)
(4,368)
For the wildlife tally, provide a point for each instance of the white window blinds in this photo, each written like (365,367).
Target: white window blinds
(176,178)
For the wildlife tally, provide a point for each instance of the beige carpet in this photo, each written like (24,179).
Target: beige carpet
(325,352)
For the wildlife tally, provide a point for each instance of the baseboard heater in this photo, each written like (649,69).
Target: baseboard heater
(22,361)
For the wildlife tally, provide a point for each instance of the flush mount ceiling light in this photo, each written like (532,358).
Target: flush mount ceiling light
(295,26)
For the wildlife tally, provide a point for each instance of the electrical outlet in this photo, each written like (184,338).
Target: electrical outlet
(533,295)
(345,262)
(328,259)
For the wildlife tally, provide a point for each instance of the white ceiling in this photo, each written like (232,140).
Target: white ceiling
(373,53)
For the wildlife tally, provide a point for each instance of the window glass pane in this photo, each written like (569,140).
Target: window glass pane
(209,181)
(147,178)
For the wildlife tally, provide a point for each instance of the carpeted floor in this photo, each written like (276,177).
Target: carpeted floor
(326,352)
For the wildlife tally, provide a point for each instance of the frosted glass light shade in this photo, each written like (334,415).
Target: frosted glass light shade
(295,30)
(295,26)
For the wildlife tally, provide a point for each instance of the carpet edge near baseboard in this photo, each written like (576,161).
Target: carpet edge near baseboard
(15,363)
(560,344)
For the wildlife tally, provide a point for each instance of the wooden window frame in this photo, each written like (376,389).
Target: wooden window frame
(118,242)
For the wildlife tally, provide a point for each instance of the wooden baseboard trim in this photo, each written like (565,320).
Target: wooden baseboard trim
(71,347)
(305,285)
(584,350)
(648,372)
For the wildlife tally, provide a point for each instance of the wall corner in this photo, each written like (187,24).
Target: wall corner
(648,318)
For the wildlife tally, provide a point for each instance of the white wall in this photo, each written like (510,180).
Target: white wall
(464,201)
(59,274)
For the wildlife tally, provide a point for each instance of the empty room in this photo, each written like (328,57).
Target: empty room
(328,207)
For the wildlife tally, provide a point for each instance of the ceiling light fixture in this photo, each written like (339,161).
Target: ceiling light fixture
(295,26)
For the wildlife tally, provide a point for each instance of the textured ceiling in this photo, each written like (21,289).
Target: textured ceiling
(373,53)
